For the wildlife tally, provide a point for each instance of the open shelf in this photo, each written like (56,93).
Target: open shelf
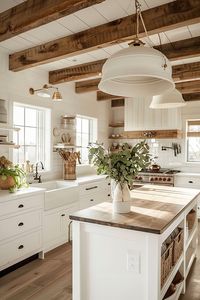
(192,257)
(191,236)
(9,128)
(171,276)
(10,145)
(116,125)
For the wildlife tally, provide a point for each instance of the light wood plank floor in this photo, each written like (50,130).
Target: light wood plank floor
(50,279)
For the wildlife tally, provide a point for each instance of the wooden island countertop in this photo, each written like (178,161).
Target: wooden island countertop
(153,209)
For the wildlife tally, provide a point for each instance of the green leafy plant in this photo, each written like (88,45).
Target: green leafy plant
(121,166)
(8,170)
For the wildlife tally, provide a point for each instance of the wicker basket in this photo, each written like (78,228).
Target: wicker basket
(191,219)
(178,246)
(69,172)
(166,263)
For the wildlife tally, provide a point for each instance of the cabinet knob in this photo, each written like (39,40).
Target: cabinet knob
(63,215)
(21,247)
(91,199)
(108,195)
(109,183)
(21,206)
(190,181)
(21,224)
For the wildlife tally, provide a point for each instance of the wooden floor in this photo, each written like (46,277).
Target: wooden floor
(50,279)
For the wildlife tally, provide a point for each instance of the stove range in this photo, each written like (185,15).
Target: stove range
(161,177)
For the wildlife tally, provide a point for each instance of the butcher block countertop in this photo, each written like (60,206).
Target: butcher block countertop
(153,209)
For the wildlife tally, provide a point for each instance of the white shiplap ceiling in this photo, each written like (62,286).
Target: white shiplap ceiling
(87,18)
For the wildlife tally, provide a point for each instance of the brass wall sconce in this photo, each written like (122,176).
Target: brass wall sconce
(45,92)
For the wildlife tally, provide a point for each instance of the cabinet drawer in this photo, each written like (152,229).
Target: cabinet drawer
(20,247)
(182,181)
(94,187)
(20,205)
(91,200)
(20,224)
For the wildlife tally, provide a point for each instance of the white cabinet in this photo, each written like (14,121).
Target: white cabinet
(94,193)
(138,116)
(56,226)
(21,223)
(188,181)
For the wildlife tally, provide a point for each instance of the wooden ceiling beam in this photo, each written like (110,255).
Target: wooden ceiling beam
(92,69)
(189,87)
(186,72)
(34,13)
(101,96)
(77,72)
(168,16)
(192,97)
(186,77)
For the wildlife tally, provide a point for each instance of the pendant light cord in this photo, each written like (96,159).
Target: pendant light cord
(140,17)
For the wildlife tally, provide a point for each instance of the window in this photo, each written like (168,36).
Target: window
(34,134)
(193,140)
(86,132)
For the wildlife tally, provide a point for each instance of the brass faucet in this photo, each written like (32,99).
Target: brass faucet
(37,176)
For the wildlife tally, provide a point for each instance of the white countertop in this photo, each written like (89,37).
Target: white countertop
(5,195)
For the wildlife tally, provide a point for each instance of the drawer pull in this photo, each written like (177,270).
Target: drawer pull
(109,183)
(91,200)
(21,206)
(190,181)
(21,247)
(108,195)
(92,188)
(63,215)
(21,224)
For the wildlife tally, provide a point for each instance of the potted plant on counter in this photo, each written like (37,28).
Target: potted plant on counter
(12,177)
(121,167)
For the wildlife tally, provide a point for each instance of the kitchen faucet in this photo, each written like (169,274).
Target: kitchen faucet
(37,176)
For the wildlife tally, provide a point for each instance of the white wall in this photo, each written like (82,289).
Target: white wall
(14,87)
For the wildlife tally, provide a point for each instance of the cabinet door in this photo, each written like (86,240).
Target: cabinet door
(52,227)
(65,221)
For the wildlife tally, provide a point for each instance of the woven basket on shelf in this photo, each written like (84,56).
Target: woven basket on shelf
(166,263)
(191,219)
(178,246)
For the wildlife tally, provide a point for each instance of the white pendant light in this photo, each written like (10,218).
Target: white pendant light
(137,70)
(173,99)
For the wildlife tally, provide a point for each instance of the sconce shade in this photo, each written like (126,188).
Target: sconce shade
(173,99)
(137,71)
(57,96)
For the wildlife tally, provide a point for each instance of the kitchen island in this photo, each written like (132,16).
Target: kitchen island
(118,256)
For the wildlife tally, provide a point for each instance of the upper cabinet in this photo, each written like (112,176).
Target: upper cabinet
(139,117)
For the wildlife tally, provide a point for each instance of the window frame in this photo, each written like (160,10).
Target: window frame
(44,137)
(187,161)
(92,132)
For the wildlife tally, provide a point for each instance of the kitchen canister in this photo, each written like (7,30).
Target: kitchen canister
(3,111)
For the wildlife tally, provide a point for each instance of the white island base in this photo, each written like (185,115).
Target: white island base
(118,256)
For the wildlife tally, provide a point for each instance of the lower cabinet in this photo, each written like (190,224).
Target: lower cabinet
(56,226)
(21,228)
(94,193)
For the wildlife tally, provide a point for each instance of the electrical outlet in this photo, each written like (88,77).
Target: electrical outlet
(133,261)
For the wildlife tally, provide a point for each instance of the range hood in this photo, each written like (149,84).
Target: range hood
(139,117)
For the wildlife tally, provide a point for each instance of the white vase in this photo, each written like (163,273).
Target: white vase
(121,199)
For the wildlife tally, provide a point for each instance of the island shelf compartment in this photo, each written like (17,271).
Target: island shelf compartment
(173,251)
